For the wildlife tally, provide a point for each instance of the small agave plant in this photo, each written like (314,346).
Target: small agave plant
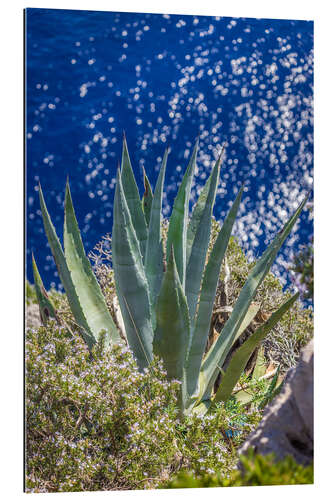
(166,309)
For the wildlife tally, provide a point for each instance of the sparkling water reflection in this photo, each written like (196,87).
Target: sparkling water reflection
(164,79)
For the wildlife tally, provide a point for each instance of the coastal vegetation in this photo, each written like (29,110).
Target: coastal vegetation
(164,350)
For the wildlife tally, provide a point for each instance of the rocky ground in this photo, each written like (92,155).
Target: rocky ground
(287,425)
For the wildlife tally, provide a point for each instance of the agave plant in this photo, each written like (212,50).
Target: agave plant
(166,300)
(46,306)
(84,295)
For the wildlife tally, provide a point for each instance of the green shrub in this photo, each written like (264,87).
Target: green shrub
(294,330)
(286,339)
(134,449)
(303,271)
(57,297)
(256,470)
(94,422)
(166,309)
(30,294)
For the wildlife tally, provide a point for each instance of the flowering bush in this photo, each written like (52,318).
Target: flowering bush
(94,422)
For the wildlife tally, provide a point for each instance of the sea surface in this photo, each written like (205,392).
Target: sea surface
(164,79)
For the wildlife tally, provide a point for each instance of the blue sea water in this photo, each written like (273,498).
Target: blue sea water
(164,79)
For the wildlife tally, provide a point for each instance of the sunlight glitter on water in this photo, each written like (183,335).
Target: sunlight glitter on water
(244,82)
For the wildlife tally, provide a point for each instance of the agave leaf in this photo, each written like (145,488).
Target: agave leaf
(201,409)
(196,217)
(248,318)
(147,198)
(133,199)
(197,258)
(244,397)
(130,279)
(87,288)
(65,275)
(154,249)
(260,366)
(197,212)
(220,349)
(177,233)
(242,355)
(207,298)
(46,308)
(172,323)
(196,396)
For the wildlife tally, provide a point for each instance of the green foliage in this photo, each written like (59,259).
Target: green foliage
(242,355)
(30,294)
(58,298)
(292,333)
(269,292)
(147,295)
(294,330)
(130,278)
(256,393)
(284,341)
(188,287)
(273,390)
(257,470)
(84,295)
(147,198)
(303,269)
(172,314)
(46,306)
(95,422)
(153,258)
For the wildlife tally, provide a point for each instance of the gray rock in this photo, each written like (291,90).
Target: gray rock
(287,425)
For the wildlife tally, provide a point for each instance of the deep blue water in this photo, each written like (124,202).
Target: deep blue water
(164,79)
